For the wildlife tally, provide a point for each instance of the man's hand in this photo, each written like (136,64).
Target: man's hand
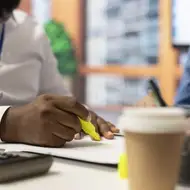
(48,121)
(104,128)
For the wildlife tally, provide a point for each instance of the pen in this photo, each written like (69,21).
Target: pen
(89,129)
(156,94)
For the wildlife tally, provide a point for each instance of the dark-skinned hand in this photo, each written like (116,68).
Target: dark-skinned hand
(48,121)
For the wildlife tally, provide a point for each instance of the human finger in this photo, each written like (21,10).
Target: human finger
(105,129)
(113,128)
(63,132)
(67,119)
(70,104)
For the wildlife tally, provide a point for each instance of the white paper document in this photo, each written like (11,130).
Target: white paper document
(103,152)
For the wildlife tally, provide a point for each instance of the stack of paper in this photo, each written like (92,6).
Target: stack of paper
(103,152)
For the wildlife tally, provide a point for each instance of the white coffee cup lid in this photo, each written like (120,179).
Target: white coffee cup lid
(153,120)
(155,111)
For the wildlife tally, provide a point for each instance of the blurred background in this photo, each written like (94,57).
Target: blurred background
(106,49)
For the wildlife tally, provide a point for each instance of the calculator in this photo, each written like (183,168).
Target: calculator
(18,165)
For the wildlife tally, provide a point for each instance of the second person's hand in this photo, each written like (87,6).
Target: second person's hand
(48,121)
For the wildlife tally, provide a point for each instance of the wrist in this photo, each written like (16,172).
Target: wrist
(8,128)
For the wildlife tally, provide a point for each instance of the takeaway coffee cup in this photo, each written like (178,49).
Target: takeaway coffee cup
(154,137)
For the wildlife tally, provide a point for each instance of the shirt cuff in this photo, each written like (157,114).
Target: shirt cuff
(3,109)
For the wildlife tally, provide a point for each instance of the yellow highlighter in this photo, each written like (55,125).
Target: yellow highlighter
(122,167)
(89,129)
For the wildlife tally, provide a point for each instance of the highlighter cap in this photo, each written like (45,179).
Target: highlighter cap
(122,167)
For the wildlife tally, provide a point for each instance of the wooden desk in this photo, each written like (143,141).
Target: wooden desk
(70,175)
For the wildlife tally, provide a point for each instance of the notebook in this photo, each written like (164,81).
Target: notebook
(106,152)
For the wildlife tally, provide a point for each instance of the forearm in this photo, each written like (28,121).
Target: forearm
(183,93)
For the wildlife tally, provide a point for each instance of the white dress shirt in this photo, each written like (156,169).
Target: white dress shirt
(28,67)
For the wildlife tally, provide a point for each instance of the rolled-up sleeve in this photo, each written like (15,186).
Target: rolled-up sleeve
(183,92)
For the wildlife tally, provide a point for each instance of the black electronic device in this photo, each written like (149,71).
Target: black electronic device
(19,165)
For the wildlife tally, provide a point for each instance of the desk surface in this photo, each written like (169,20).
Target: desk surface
(70,175)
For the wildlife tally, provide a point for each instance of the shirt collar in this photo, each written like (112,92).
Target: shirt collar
(18,17)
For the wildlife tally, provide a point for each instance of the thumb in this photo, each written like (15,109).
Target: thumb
(79,136)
